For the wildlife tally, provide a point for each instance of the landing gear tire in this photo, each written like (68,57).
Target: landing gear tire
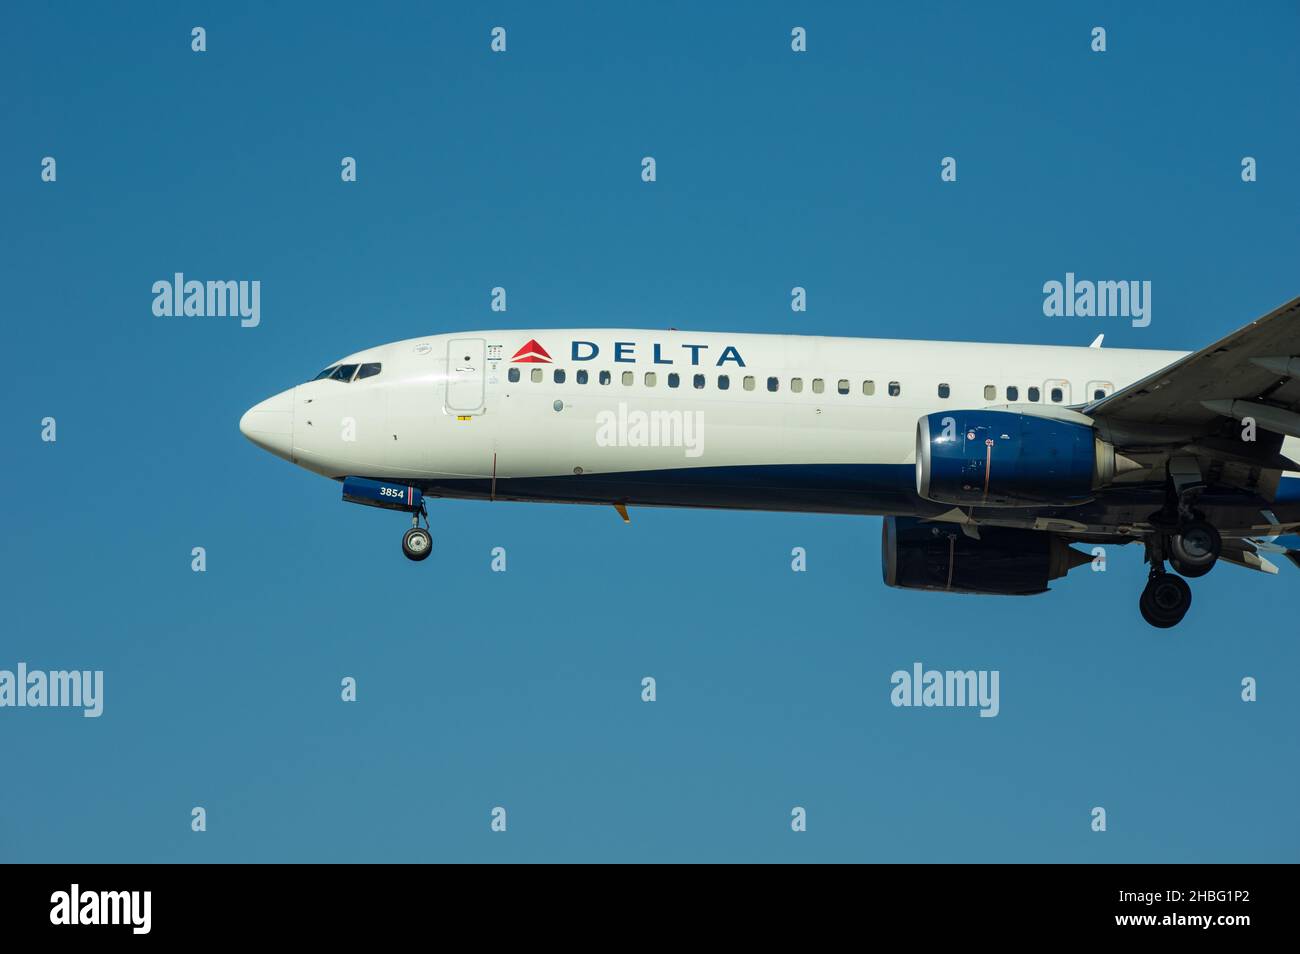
(1195,549)
(417,544)
(1191,572)
(1165,600)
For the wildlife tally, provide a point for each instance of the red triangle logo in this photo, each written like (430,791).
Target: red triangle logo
(531,353)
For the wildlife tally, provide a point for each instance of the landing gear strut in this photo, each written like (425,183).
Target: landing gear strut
(417,543)
(1190,544)
(1185,539)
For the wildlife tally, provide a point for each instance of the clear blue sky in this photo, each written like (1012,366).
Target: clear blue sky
(523,689)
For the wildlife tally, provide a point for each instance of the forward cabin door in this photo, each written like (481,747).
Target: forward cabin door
(466,373)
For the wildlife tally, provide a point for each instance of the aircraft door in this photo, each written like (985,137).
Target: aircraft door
(466,373)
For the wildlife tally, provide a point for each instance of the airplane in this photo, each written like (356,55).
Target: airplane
(990,463)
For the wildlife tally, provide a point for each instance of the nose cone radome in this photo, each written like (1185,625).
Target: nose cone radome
(269,425)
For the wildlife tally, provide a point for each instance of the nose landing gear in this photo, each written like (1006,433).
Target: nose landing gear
(417,543)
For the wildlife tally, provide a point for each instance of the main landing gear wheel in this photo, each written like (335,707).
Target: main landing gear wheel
(417,544)
(1165,600)
(1195,549)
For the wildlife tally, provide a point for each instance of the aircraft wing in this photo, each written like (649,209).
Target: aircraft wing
(1193,396)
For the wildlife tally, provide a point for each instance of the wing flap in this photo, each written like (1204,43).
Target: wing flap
(1249,559)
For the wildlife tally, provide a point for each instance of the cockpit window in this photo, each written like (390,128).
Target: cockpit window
(343,373)
(369,370)
(326,373)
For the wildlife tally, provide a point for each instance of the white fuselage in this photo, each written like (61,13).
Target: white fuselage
(664,417)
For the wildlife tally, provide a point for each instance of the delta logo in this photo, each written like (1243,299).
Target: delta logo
(625,352)
(531,353)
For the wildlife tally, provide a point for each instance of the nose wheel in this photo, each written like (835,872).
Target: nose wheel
(417,543)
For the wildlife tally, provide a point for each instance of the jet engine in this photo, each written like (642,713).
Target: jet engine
(987,458)
(925,555)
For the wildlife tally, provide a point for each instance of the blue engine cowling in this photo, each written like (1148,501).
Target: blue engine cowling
(986,458)
(922,555)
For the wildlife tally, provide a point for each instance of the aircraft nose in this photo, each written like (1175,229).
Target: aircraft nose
(269,425)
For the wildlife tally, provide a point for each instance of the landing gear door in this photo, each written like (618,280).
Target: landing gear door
(466,373)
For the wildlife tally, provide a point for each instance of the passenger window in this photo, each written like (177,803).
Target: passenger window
(1034,394)
(990,392)
(559,376)
(512,375)
(674,379)
(582,376)
(369,370)
(605,377)
(344,373)
(1098,394)
(843,386)
(628,378)
(698,382)
(1013,393)
(1057,395)
(749,382)
(944,390)
(818,385)
(895,389)
(796,385)
(773,384)
(650,379)
(724,382)
(868,388)
(327,373)
(536,375)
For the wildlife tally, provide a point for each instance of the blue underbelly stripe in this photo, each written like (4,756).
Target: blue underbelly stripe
(833,488)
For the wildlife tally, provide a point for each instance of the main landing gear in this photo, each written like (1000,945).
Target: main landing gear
(1195,549)
(1192,547)
(417,543)
(1165,600)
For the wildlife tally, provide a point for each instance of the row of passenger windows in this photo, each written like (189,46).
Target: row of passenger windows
(346,372)
(796,385)
(698,381)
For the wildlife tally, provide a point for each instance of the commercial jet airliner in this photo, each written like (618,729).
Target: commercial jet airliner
(991,464)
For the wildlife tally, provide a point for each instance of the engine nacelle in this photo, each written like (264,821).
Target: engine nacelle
(985,458)
(1003,560)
